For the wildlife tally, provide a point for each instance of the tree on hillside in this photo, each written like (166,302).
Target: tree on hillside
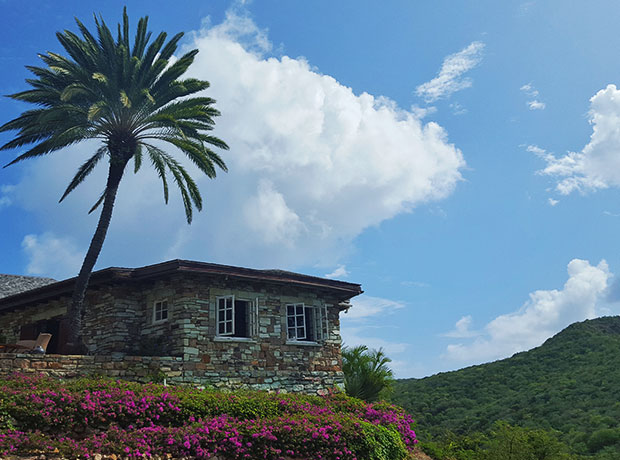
(131,98)
(366,372)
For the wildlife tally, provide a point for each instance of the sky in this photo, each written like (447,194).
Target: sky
(460,161)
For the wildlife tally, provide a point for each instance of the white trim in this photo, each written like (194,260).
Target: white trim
(319,326)
(297,325)
(227,338)
(325,324)
(162,320)
(251,317)
(303,343)
(254,331)
(224,321)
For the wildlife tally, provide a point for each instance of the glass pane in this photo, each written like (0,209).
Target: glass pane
(290,310)
(164,314)
(301,332)
(228,302)
(291,333)
(228,315)
(299,309)
(220,329)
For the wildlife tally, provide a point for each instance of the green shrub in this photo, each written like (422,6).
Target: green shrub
(85,416)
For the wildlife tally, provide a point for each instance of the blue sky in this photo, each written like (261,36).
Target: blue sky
(461,162)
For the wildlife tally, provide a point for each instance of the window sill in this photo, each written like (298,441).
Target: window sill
(303,343)
(223,338)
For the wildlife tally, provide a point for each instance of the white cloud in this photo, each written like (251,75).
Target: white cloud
(543,315)
(458,109)
(268,216)
(51,256)
(532,93)
(553,202)
(353,336)
(422,112)
(339,272)
(539,152)
(462,329)
(360,325)
(311,166)
(450,78)
(364,306)
(536,105)
(597,165)
(5,195)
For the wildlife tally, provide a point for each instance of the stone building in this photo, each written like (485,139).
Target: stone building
(228,326)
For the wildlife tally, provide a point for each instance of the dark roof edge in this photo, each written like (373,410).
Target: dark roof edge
(177,265)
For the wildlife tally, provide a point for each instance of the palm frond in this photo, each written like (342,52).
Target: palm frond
(84,171)
(123,91)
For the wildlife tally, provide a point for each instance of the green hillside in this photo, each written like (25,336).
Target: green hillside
(571,384)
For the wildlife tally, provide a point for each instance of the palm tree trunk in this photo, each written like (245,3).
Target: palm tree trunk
(75,344)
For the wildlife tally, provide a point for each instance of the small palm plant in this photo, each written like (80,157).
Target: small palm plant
(132,99)
(366,373)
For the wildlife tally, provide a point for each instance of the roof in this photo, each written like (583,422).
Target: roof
(14,284)
(341,289)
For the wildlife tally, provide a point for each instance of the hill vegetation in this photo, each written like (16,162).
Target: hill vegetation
(568,388)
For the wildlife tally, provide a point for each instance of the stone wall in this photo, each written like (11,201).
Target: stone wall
(175,370)
(119,324)
(11,322)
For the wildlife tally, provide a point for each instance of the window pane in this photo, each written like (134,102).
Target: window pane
(290,310)
(301,333)
(242,308)
(310,332)
(299,309)
(291,333)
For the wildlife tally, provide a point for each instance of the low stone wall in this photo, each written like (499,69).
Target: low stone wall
(175,370)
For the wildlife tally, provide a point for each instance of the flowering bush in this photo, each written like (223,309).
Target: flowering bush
(83,417)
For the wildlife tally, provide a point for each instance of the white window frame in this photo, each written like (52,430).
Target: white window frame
(218,320)
(319,319)
(160,303)
(252,307)
(254,326)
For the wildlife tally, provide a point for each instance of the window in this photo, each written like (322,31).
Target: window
(160,311)
(305,322)
(234,317)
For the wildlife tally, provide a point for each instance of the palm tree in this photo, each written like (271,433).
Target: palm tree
(366,372)
(131,99)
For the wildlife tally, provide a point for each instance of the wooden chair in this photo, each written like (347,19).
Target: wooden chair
(42,341)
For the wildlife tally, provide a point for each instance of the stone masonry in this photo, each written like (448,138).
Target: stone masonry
(154,369)
(127,342)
